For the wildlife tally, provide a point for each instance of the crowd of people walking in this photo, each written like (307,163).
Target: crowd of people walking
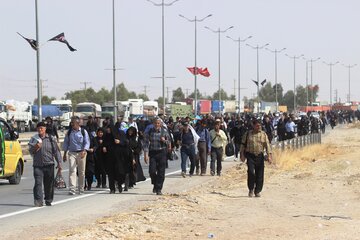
(110,154)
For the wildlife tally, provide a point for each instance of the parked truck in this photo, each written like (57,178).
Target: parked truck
(217,107)
(18,114)
(136,107)
(65,107)
(86,109)
(204,107)
(47,111)
(151,108)
(231,107)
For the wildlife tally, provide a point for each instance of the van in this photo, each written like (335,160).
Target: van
(13,165)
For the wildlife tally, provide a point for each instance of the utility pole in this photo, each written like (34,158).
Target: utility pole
(163,5)
(187,92)
(336,96)
(294,59)
(331,91)
(349,69)
(145,89)
(85,85)
(167,94)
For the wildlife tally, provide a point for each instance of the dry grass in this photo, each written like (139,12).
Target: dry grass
(354,125)
(290,159)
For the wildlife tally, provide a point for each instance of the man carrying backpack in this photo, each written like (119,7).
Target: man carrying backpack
(76,143)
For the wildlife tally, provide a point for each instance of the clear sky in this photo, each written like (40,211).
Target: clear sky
(315,28)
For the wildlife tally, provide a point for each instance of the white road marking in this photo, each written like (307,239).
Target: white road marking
(74,198)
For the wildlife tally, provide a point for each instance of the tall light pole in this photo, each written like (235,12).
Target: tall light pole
(312,60)
(195,21)
(219,32)
(114,69)
(38,81)
(331,65)
(163,5)
(239,41)
(349,68)
(295,58)
(257,47)
(275,51)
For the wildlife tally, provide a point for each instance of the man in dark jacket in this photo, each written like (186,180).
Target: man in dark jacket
(236,134)
(51,128)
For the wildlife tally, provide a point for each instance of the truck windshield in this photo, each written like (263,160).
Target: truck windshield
(84,109)
(107,109)
(65,108)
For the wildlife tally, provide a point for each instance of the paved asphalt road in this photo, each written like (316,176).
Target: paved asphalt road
(19,197)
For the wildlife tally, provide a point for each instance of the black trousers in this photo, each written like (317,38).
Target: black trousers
(216,155)
(157,168)
(256,166)
(44,175)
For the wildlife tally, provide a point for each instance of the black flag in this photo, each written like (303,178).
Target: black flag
(256,82)
(263,82)
(32,42)
(61,38)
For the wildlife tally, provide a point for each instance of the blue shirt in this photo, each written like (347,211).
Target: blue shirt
(76,142)
(204,136)
(290,127)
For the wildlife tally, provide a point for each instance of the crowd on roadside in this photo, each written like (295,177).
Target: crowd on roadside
(110,154)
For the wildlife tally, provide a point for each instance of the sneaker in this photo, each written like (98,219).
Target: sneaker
(48,204)
(159,192)
(38,203)
(235,159)
(183,174)
(81,192)
(212,173)
(154,190)
(218,174)
(257,195)
(72,193)
(251,194)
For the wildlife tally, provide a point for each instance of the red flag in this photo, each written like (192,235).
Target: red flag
(194,70)
(205,72)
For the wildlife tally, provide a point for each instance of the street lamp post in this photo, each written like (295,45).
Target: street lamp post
(38,81)
(163,5)
(239,41)
(331,65)
(349,68)
(257,68)
(295,58)
(219,32)
(312,60)
(275,51)
(195,21)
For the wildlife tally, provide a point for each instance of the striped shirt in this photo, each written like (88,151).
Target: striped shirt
(46,154)
(255,143)
(152,140)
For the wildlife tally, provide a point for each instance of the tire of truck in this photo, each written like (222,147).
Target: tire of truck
(16,178)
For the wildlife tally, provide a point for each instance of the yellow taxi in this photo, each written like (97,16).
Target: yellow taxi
(13,164)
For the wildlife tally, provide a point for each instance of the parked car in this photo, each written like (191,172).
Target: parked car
(14,161)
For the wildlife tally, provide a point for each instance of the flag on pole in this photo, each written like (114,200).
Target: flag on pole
(61,38)
(263,82)
(32,42)
(256,82)
(194,70)
(205,72)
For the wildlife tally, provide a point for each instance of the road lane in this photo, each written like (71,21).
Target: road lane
(16,198)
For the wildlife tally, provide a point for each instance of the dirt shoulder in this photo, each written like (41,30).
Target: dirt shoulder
(308,194)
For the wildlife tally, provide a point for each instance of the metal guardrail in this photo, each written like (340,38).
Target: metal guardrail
(298,142)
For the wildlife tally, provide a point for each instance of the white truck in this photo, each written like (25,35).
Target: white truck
(136,107)
(151,108)
(65,107)
(86,109)
(18,113)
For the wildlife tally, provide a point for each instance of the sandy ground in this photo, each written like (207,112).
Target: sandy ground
(308,194)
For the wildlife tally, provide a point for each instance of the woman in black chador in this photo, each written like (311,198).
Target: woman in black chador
(136,173)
